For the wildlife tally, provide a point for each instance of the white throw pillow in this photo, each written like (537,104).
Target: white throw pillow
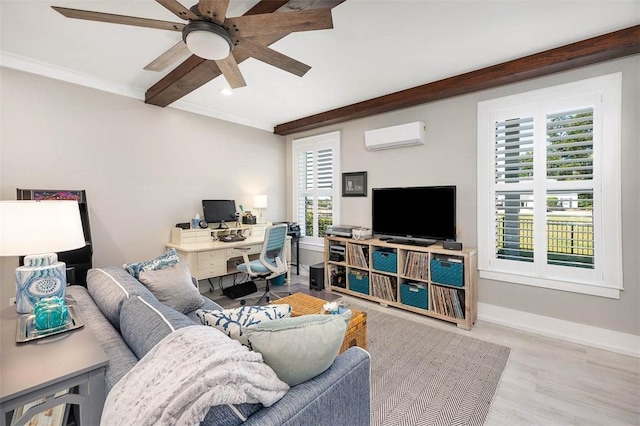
(173,287)
(235,322)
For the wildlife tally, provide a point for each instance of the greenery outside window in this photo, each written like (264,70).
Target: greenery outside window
(549,209)
(316,185)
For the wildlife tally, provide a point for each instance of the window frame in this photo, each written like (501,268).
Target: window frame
(606,280)
(316,143)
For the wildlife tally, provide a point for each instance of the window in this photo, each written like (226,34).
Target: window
(316,185)
(549,210)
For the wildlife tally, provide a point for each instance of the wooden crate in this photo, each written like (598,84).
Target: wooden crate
(303,304)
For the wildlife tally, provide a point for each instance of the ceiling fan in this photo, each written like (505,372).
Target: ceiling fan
(210,35)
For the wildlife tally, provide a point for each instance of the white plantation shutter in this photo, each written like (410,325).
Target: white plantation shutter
(570,145)
(315,184)
(514,150)
(569,161)
(548,192)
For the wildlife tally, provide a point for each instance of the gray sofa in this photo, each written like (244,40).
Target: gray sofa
(340,395)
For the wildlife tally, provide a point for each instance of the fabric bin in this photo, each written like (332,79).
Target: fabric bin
(359,281)
(447,271)
(386,261)
(279,280)
(413,294)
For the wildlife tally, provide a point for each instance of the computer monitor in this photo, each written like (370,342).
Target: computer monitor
(219,211)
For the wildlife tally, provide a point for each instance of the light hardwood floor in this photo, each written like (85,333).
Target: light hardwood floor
(550,382)
(547,381)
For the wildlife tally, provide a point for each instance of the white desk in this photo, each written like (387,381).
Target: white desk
(215,258)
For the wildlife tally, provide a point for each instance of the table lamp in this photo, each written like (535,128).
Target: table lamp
(36,230)
(259,202)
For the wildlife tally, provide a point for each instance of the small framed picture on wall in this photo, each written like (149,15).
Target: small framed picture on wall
(354,184)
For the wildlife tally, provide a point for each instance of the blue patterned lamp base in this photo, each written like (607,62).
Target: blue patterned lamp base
(41,276)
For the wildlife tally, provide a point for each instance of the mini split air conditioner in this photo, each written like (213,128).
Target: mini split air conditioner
(395,136)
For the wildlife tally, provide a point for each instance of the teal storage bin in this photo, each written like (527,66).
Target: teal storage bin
(415,295)
(385,261)
(279,280)
(447,272)
(359,281)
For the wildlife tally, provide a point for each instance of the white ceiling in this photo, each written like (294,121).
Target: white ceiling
(375,48)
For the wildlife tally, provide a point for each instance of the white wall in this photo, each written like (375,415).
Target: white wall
(449,157)
(144,168)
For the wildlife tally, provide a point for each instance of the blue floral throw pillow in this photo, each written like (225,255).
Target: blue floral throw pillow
(232,321)
(166,259)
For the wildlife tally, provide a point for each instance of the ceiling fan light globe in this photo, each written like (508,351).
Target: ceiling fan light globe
(207,40)
(208,45)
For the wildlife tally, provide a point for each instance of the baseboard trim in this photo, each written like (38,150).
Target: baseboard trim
(614,341)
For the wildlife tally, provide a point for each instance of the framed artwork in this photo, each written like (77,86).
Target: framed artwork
(56,416)
(354,184)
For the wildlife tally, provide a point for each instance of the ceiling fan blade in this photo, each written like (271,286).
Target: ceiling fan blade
(178,9)
(213,10)
(231,71)
(169,57)
(272,57)
(118,19)
(279,23)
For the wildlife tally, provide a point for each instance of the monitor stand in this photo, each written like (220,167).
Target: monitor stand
(222,225)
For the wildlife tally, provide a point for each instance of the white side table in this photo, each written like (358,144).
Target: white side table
(38,369)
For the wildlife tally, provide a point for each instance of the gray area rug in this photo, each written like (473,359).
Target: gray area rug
(423,375)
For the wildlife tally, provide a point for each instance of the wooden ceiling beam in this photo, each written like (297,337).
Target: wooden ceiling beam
(606,47)
(195,71)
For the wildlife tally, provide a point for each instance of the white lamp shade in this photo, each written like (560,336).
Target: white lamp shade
(35,227)
(207,45)
(259,201)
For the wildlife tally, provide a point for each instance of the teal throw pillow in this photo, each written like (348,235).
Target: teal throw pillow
(166,259)
(235,322)
(299,348)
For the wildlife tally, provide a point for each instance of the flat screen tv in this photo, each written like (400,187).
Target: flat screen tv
(219,211)
(421,214)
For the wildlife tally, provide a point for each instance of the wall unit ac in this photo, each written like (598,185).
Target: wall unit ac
(395,136)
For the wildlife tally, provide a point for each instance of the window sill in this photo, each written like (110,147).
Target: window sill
(593,290)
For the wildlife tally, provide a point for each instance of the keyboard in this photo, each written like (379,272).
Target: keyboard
(231,238)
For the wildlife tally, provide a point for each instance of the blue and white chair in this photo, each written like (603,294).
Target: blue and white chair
(271,263)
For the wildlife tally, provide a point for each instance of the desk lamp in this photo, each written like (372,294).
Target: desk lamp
(36,230)
(259,202)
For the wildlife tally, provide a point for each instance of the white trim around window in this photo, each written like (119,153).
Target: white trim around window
(316,189)
(549,187)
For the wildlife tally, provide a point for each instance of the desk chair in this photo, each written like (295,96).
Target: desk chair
(271,263)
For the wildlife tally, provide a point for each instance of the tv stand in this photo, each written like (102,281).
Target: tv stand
(410,242)
(427,280)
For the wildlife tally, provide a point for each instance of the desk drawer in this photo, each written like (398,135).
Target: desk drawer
(253,249)
(211,263)
(210,258)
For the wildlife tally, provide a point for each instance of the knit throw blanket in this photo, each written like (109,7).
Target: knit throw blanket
(185,374)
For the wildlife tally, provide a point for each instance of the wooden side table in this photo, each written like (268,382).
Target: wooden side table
(41,368)
(303,304)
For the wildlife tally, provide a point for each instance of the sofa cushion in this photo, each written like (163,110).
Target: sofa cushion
(234,322)
(109,286)
(166,259)
(121,358)
(299,348)
(173,287)
(143,323)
